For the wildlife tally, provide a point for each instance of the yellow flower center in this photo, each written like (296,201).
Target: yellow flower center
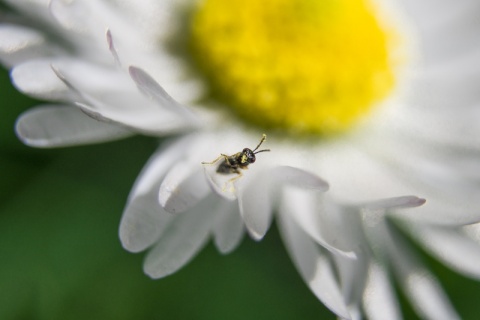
(305,66)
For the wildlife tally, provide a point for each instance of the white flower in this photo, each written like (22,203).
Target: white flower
(103,63)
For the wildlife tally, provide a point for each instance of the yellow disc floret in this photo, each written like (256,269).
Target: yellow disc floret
(308,66)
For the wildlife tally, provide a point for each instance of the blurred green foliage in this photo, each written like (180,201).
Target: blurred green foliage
(60,257)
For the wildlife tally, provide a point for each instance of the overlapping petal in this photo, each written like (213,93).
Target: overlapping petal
(59,126)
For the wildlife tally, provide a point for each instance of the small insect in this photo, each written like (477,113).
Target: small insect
(237,161)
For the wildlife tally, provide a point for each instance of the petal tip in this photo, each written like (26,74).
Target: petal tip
(255,235)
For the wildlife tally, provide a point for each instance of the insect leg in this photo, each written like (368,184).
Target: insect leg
(231,181)
(238,176)
(219,157)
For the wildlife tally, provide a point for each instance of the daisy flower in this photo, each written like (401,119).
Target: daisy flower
(369,108)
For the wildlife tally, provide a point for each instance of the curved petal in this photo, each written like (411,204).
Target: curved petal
(255,202)
(452,246)
(143,223)
(183,187)
(427,296)
(355,175)
(443,210)
(51,126)
(421,287)
(379,298)
(186,236)
(448,177)
(292,176)
(18,44)
(123,106)
(228,229)
(302,207)
(150,88)
(37,79)
(312,265)
(144,220)
(394,203)
(352,275)
(256,194)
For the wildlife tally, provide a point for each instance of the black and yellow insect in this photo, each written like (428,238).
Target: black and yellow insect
(238,161)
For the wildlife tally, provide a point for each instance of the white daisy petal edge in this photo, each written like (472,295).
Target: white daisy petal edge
(183,187)
(422,288)
(51,126)
(380,301)
(313,265)
(19,44)
(144,220)
(185,237)
(453,246)
(148,86)
(228,229)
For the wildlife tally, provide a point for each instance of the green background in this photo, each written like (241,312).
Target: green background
(60,256)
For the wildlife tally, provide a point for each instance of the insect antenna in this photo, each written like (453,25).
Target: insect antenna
(264,150)
(261,141)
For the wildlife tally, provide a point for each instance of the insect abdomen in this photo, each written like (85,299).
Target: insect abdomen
(231,167)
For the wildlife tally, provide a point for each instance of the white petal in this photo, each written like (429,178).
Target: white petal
(36,78)
(452,246)
(74,15)
(352,275)
(65,78)
(85,22)
(312,266)
(302,207)
(298,178)
(379,299)
(121,105)
(254,200)
(221,184)
(185,237)
(446,176)
(59,126)
(18,44)
(446,211)
(143,223)
(437,151)
(228,230)
(88,20)
(412,124)
(15,38)
(153,90)
(427,296)
(473,232)
(422,288)
(355,175)
(144,220)
(449,194)
(183,187)
(324,286)
(256,193)
(394,203)
(130,31)
(373,213)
